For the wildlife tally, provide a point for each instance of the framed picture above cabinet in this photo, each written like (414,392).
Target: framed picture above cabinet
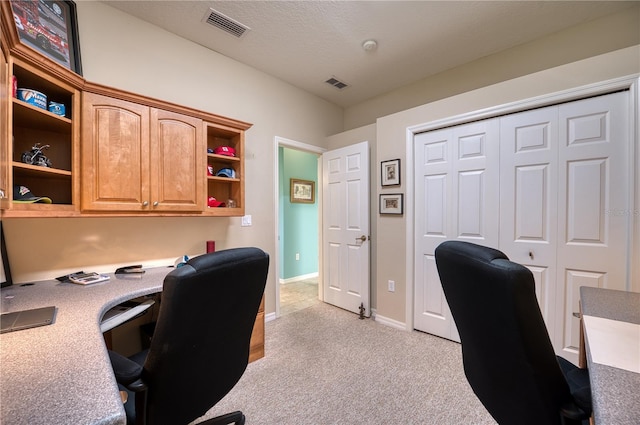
(50,28)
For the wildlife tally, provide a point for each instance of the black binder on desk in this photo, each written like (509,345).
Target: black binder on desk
(25,319)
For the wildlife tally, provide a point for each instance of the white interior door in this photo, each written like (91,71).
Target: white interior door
(456,191)
(345,225)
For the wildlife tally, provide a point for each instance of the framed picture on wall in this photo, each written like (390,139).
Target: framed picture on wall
(51,28)
(390,171)
(391,203)
(302,191)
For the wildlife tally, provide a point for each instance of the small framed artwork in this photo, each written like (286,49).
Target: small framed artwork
(391,203)
(390,171)
(50,28)
(302,191)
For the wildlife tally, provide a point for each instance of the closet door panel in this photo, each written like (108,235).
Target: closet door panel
(594,189)
(457,190)
(528,197)
(476,182)
(433,165)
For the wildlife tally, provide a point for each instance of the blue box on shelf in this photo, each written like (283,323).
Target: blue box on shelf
(33,97)
(57,108)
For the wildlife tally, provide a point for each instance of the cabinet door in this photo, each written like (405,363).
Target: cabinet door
(115,154)
(177,162)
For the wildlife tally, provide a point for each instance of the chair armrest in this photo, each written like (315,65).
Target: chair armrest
(573,413)
(126,371)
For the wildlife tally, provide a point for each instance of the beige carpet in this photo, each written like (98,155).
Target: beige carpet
(325,366)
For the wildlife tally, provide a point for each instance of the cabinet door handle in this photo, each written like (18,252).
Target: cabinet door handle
(145,203)
(155,204)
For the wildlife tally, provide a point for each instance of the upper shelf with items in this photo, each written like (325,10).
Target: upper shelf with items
(43,132)
(225,170)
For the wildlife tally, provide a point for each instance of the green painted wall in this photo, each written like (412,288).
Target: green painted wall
(299,222)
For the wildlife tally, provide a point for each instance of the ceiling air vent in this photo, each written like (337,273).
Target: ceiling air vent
(225,23)
(336,83)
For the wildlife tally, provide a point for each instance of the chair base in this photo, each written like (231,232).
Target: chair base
(236,418)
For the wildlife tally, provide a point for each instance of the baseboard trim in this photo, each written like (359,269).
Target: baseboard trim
(390,322)
(269,317)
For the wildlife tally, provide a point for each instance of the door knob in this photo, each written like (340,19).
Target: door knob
(362,238)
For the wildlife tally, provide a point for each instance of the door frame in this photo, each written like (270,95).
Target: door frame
(292,144)
(631,83)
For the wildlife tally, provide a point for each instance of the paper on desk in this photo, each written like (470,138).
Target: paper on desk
(613,343)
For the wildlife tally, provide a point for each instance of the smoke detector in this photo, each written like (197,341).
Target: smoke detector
(369,45)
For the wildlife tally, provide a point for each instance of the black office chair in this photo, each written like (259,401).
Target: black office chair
(200,346)
(507,354)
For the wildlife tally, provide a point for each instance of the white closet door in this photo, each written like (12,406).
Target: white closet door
(528,198)
(456,190)
(564,194)
(594,217)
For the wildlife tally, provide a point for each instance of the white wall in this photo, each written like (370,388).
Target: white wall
(121,51)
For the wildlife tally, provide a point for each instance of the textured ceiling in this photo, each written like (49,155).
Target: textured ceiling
(307,42)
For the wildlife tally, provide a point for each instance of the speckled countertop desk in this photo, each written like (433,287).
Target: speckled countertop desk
(616,392)
(60,374)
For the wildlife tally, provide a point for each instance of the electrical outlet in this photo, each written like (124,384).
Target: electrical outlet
(297,256)
(392,286)
(246,220)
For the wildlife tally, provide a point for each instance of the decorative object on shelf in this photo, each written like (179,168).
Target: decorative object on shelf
(14,86)
(51,29)
(302,191)
(391,203)
(22,194)
(57,108)
(225,150)
(231,203)
(390,171)
(36,157)
(33,97)
(214,203)
(226,172)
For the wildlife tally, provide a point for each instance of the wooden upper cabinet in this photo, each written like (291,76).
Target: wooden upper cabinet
(114,154)
(140,158)
(178,165)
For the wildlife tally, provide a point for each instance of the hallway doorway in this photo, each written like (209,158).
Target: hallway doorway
(298,233)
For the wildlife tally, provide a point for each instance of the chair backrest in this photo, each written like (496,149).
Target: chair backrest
(200,346)
(507,354)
